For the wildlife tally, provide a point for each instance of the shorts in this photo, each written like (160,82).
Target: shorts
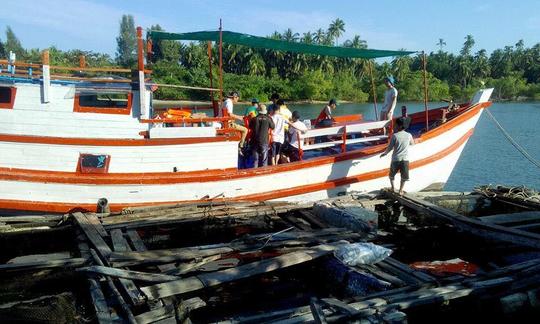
(276,148)
(402,167)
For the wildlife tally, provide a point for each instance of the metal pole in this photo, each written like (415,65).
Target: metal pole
(211,78)
(220,61)
(373,90)
(424,63)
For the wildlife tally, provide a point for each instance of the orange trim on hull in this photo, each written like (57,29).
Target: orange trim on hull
(58,207)
(225,137)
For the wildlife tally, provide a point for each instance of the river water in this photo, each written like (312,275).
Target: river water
(488,157)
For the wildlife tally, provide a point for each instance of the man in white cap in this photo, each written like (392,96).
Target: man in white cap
(262,124)
(390,99)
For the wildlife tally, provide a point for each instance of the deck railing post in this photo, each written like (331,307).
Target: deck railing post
(46,70)
(216,108)
(424,64)
(144,113)
(373,91)
(344,138)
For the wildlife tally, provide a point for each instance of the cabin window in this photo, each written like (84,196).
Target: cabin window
(94,163)
(7,97)
(104,102)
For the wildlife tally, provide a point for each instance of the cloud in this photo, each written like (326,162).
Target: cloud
(96,24)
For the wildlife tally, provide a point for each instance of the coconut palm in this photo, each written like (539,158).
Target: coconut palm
(336,29)
(320,36)
(441,43)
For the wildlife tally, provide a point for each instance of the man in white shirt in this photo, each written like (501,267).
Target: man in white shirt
(278,134)
(227,111)
(295,131)
(390,99)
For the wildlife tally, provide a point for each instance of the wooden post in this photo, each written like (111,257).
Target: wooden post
(216,108)
(344,137)
(373,90)
(220,62)
(142,88)
(424,64)
(46,77)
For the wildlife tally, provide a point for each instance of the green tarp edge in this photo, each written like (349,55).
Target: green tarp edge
(278,45)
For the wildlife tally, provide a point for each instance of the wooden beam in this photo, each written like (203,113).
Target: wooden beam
(199,282)
(156,315)
(39,265)
(505,219)
(93,236)
(129,274)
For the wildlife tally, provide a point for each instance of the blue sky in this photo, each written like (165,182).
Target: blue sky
(385,24)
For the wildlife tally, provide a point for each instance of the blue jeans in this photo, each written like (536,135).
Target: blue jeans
(260,154)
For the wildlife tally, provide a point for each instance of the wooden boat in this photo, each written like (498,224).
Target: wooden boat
(68,142)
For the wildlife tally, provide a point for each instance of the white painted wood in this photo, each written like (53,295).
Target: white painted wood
(182,132)
(142,92)
(46,83)
(438,171)
(481,96)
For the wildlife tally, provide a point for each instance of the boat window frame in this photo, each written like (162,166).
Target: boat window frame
(103,110)
(91,170)
(11,103)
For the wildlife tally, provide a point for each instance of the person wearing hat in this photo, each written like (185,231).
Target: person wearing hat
(325,118)
(390,99)
(227,111)
(252,110)
(261,126)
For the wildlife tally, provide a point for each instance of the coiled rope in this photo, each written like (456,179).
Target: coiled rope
(512,141)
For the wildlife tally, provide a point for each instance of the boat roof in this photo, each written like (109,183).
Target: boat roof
(278,45)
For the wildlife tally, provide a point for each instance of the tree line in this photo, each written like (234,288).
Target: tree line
(514,71)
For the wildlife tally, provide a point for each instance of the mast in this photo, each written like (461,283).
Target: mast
(424,64)
(373,90)
(220,61)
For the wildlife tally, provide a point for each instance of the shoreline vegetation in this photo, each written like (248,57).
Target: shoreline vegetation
(514,71)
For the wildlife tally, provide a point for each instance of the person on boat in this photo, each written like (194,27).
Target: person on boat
(227,111)
(325,118)
(292,149)
(278,135)
(252,110)
(284,111)
(274,98)
(390,99)
(261,126)
(400,142)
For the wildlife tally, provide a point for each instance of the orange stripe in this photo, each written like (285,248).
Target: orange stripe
(115,141)
(205,175)
(58,207)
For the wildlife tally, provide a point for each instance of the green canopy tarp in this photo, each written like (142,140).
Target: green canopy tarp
(275,44)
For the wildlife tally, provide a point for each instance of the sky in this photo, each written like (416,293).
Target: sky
(93,25)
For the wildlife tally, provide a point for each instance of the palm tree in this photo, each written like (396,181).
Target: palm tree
(336,29)
(308,38)
(401,66)
(441,43)
(256,64)
(289,36)
(356,42)
(467,45)
(320,36)
(481,64)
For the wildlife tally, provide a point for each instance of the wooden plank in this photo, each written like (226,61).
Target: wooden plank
(92,218)
(119,242)
(470,225)
(103,313)
(129,274)
(139,246)
(156,315)
(185,307)
(38,265)
(313,219)
(504,219)
(317,311)
(93,236)
(245,271)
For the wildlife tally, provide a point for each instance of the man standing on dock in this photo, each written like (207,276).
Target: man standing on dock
(400,142)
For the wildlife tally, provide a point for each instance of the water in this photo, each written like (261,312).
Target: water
(488,157)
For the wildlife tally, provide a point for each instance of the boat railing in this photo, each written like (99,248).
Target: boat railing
(346,134)
(34,70)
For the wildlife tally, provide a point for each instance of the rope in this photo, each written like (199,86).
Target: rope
(512,141)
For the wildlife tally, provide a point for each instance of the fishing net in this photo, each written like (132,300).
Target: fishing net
(50,309)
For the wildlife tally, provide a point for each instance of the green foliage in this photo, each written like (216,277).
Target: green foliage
(126,54)
(13,44)
(514,71)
